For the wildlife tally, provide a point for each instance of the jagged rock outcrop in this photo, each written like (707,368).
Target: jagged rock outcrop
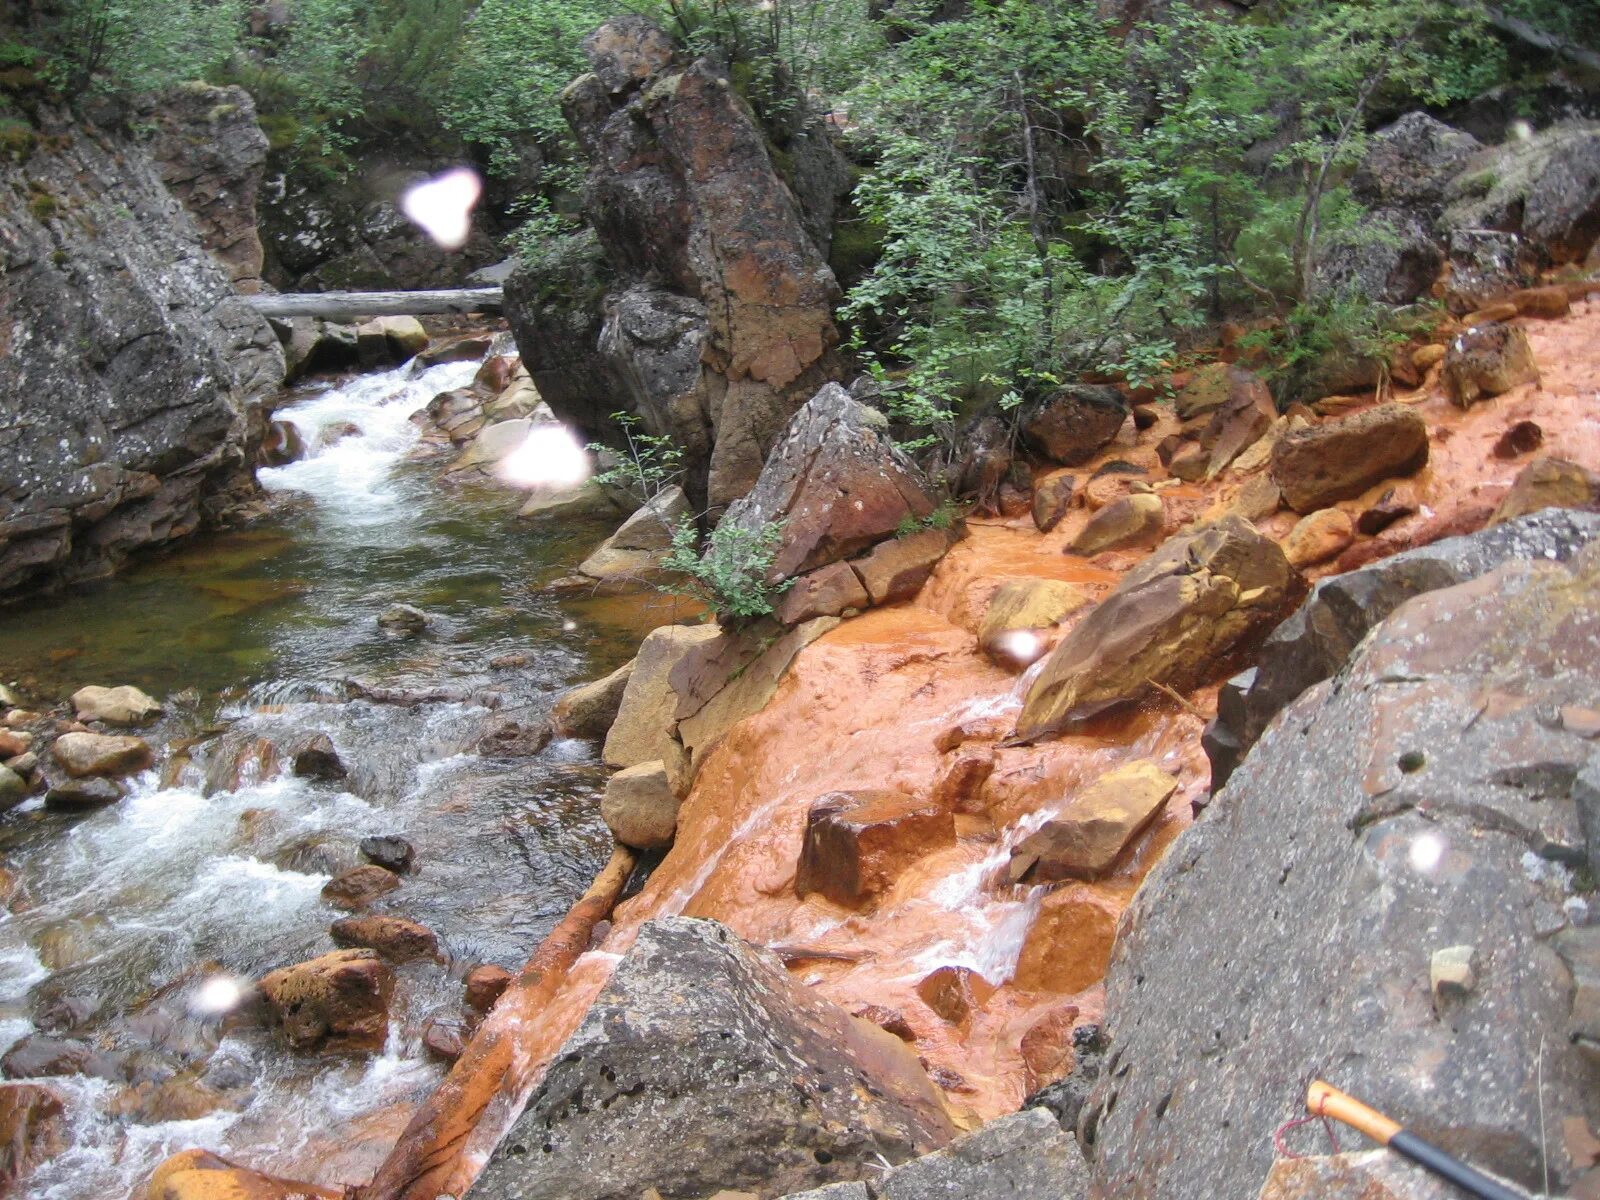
(1314,643)
(717,320)
(1426,799)
(129,367)
(703,1066)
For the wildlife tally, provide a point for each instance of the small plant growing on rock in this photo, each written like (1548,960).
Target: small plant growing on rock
(651,462)
(731,576)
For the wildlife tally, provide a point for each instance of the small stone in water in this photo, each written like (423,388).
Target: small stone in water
(403,619)
(485,985)
(389,852)
(80,795)
(319,760)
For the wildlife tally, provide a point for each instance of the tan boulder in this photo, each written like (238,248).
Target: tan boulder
(897,569)
(1424,358)
(631,557)
(1085,839)
(125,705)
(857,843)
(1487,360)
(643,729)
(1026,604)
(1244,418)
(1195,598)
(83,754)
(1134,520)
(1189,462)
(826,592)
(1342,457)
(202,1175)
(639,807)
(1318,537)
(588,710)
(337,1002)
(1052,498)
(1547,303)
(1549,483)
(1210,388)
(1255,500)
(1068,946)
(394,938)
(560,504)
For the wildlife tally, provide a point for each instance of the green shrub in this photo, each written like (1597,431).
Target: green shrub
(650,463)
(731,576)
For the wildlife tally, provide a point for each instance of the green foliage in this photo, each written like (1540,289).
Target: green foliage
(128,46)
(1343,327)
(943,516)
(650,463)
(731,576)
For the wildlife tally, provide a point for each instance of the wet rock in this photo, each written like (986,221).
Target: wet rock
(857,843)
(1066,1097)
(559,505)
(404,619)
(514,739)
(896,570)
(1135,520)
(396,939)
(1318,537)
(1111,482)
(643,729)
(702,1065)
(1189,462)
(1023,1156)
(1315,642)
(317,854)
(81,754)
(40,1056)
(837,484)
(1257,499)
(1075,423)
(484,985)
(1087,836)
(467,348)
(1425,358)
(1052,500)
(83,795)
(639,806)
(445,1040)
(1522,438)
(202,1175)
(1549,483)
(954,993)
(32,1130)
(588,710)
(631,557)
(338,1002)
(14,789)
(1026,604)
(1243,418)
(318,759)
(177,1099)
(1487,360)
(1395,504)
(1545,303)
(1068,946)
(1340,458)
(1429,796)
(124,705)
(14,742)
(1199,595)
(358,887)
(828,591)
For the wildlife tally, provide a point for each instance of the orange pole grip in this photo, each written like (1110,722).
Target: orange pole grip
(1325,1100)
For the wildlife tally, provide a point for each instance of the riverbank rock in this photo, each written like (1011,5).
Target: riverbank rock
(1317,640)
(338,1002)
(639,806)
(1545,187)
(1135,520)
(125,705)
(1022,1156)
(81,754)
(1548,483)
(588,710)
(829,591)
(133,365)
(643,729)
(1074,423)
(396,939)
(1087,836)
(895,570)
(1340,458)
(1199,595)
(630,559)
(1028,606)
(703,1066)
(717,319)
(1433,805)
(857,843)
(14,789)
(1487,360)
(1318,537)
(835,482)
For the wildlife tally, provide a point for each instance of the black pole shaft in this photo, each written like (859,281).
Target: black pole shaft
(1431,1158)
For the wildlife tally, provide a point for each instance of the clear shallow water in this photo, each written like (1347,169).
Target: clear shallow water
(214,864)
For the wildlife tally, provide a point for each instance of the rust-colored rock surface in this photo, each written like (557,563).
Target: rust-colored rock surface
(397,939)
(857,843)
(338,1002)
(1340,458)
(1084,839)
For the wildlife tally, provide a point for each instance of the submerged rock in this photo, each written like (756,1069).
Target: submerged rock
(394,938)
(1421,801)
(358,887)
(32,1129)
(703,1066)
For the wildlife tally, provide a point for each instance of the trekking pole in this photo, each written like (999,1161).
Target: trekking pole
(1325,1100)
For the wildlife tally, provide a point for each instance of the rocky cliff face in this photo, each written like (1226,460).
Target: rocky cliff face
(717,323)
(129,366)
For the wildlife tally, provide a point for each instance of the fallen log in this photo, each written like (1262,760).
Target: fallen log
(356,306)
(431,1158)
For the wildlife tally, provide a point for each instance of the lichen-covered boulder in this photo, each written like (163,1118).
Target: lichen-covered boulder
(703,1066)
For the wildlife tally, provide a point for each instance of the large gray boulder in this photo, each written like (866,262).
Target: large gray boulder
(701,1066)
(1417,811)
(1319,638)
(130,370)
(1545,188)
(1023,1156)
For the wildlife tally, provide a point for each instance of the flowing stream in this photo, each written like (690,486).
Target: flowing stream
(133,925)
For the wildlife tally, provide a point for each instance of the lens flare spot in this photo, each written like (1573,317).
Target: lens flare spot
(1021,647)
(217,995)
(569,626)
(549,457)
(1427,852)
(442,206)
